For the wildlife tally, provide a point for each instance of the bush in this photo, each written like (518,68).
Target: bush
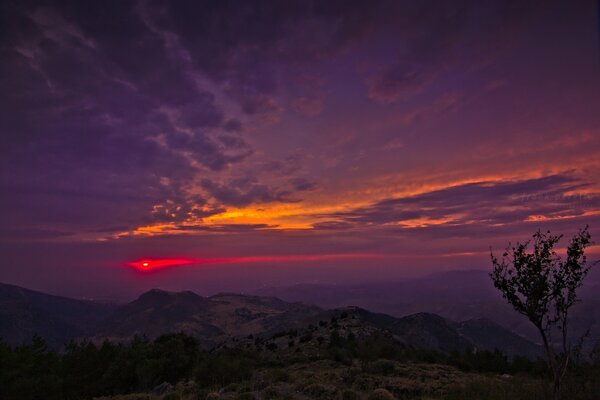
(225,366)
(349,395)
(381,367)
(279,375)
(307,337)
(318,391)
(271,346)
(381,394)
(270,393)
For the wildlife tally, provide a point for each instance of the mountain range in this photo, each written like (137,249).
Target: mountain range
(455,295)
(229,318)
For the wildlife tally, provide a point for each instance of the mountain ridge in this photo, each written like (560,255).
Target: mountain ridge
(230,317)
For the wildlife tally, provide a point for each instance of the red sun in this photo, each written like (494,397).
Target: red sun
(149,264)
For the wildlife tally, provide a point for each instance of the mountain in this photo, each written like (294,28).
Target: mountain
(431,331)
(455,295)
(229,319)
(25,312)
(488,335)
(212,319)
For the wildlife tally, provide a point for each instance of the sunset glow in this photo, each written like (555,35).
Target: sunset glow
(159,263)
(290,142)
(151,264)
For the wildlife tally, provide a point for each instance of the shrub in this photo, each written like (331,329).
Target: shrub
(270,393)
(279,375)
(317,391)
(307,337)
(271,346)
(349,395)
(381,394)
(381,367)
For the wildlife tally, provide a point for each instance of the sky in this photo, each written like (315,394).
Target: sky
(237,145)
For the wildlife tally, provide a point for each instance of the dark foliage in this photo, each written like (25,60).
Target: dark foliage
(86,370)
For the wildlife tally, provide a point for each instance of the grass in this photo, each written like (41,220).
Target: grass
(378,380)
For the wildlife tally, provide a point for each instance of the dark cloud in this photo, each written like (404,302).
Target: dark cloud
(302,184)
(242,47)
(288,166)
(232,125)
(119,98)
(243,191)
(441,37)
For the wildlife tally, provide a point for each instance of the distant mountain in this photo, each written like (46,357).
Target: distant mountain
(430,331)
(25,312)
(455,295)
(228,319)
(485,334)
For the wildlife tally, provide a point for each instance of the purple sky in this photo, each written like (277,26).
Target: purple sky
(288,137)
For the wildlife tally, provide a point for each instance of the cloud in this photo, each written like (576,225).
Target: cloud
(192,208)
(438,38)
(114,98)
(232,125)
(302,184)
(126,111)
(473,207)
(391,82)
(309,106)
(244,191)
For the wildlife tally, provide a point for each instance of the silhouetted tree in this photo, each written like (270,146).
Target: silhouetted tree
(543,287)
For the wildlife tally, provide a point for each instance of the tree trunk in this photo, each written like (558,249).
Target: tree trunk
(554,365)
(556,388)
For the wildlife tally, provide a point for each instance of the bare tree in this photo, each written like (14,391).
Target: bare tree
(543,287)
